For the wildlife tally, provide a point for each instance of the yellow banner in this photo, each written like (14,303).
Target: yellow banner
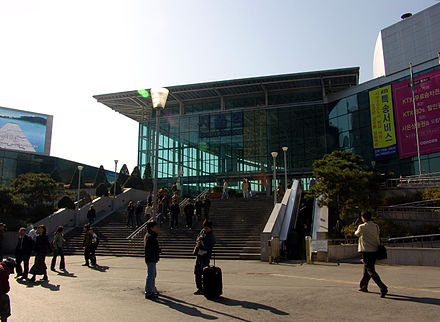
(382,121)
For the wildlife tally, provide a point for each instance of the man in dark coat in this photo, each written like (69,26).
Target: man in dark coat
(152,254)
(203,250)
(189,213)
(206,205)
(175,211)
(88,246)
(91,215)
(23,252)
(198,206)
(138,212)
(6,269)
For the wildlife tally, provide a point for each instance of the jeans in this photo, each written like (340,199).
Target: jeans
(225,194)
(369,259)
(138,219)
(150,283)
(25,259)
(189,220)
(201,263)
(58,251)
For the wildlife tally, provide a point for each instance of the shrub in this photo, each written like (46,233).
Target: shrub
(217,189)
(84,198)
(101,177)
(66,202)
(101,190)
(118,188)
(431,193)
(123,174)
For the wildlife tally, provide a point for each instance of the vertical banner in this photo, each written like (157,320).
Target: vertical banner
(382,121)
(427,97)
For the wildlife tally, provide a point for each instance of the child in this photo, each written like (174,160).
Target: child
(152,254)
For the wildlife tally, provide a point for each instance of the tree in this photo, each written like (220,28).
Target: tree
(66,202)
(37,189)
(343,184)
(123,174)
(118,188)
(55,175)
(101,177)
(12,208)
(102,190)
(84,198)
(134,180)
(148,181)
(74,181)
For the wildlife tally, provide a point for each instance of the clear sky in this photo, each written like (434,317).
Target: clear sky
(56,54)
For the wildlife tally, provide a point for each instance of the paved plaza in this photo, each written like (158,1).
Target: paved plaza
(253,291)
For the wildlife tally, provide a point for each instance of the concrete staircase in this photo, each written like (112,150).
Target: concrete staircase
(238,224)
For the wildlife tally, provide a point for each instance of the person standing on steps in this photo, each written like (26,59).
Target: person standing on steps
(244,188)
(91,215)
(42,248)
(130,214)
(152,254)
(198,205)
(206,206)
(189,213)
(6,269)
(23,253)
(175,211)
(148,212)
(203,251)
(58,249)
(138,211)
(249,192)
(225,193)
(369,241)
(87,244)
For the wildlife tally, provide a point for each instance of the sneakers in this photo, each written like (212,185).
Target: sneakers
(198,292)
(383,292)
(86,264)
(151,297)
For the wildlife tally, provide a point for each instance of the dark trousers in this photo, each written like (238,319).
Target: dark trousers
(199,214)
(174,220)
(91,220)
(130,220)
(138,219)
(89,255)
(206,213)
(201,263)
(5,307)
(189,220)
(56,252)
(369,259)
(25,260)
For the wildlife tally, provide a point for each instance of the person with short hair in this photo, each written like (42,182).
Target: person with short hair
(130,214)
(138,212)
(152,255)
(58,249)
(174,211)
(23,252)
(6,269)
(206,204)
(244,188)
(189,213)
(42,248)
(91,215)
(225,193)
(369,241)
(203,250)
(148,212)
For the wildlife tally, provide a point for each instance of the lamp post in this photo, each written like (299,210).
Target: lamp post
(159,97)
(415,117)
(80,168)
(114,184)
(274,156)
(285,148)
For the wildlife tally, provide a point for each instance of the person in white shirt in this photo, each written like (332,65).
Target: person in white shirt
(33,233)
(369,241)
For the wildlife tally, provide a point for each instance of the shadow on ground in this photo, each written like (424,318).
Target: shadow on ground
(404,298)
(100,268)
(44,284)
(193,309)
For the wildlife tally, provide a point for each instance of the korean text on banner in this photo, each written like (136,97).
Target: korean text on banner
(427,97)
(382,121)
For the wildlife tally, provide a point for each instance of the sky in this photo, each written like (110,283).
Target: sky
(55,55)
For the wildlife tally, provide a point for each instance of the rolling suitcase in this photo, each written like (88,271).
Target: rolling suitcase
(212,282)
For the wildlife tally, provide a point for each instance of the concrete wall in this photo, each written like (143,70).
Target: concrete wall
(413,256)
(337,253)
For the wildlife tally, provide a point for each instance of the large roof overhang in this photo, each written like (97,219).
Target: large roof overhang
(139,108)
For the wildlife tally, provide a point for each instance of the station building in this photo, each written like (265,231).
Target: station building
(228,129)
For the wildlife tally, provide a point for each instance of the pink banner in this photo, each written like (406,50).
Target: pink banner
(427,97)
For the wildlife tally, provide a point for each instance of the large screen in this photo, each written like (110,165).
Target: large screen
(427,97)
(25,131)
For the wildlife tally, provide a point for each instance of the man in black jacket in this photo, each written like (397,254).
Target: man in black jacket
(203,250)
(175,211)
(152,254)
(189,213)
(23,253)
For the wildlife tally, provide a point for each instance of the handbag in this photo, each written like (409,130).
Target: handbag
(381,252)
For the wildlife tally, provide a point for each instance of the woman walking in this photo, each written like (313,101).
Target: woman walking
(41,249)
(58,244)
(369,241)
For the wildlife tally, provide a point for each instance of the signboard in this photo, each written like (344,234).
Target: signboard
(427,98)
(382,121)
(25,131)
(320,245)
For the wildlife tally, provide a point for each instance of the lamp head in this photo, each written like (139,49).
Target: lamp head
(159,97)
(285,148)
(116,161)
(80,167)
(274,154)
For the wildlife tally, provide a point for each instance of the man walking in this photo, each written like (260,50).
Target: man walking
(189,213)
(152,254)
(175,211)
(87,244)
(203,250)
(225,193)
(369,241)
(23,252)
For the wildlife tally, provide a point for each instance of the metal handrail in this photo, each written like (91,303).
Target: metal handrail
(418,240)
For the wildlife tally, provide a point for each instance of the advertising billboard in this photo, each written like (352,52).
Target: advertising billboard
(427,98)
(382,121)
(25,131)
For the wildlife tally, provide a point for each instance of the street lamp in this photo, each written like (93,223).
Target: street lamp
(159,97)
(274,156)
(80,168)
(285,148)
(114,184)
